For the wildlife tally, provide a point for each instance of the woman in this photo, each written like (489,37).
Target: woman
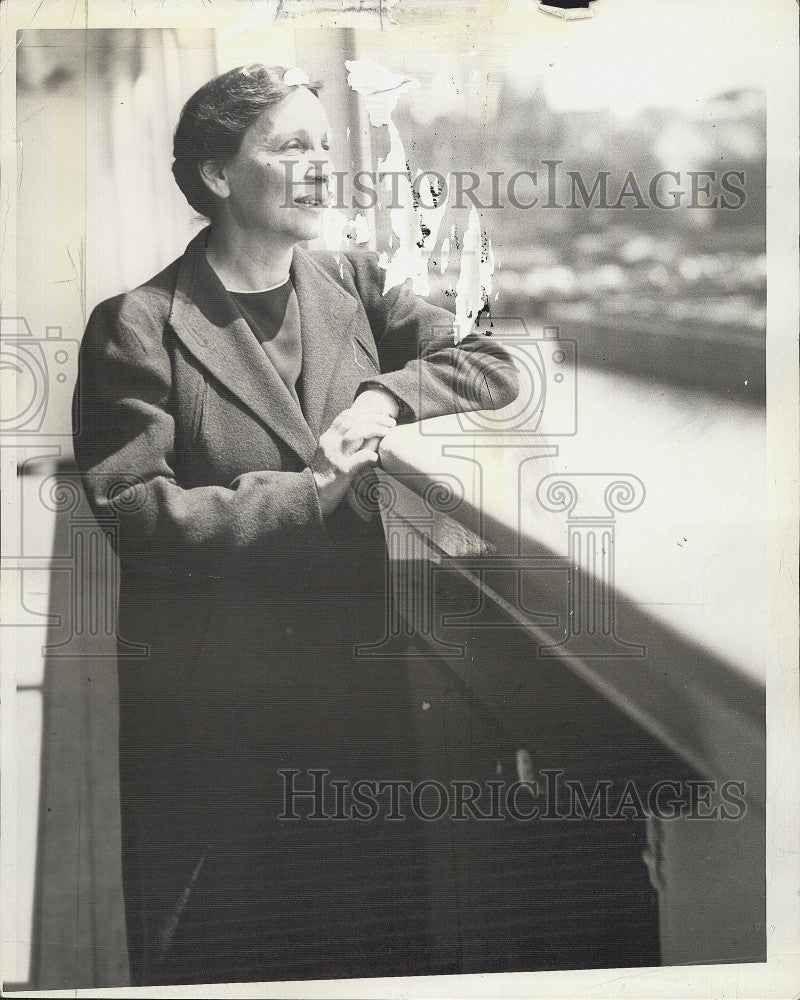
(226,408)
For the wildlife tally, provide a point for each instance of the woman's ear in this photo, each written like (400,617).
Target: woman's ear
(214,177)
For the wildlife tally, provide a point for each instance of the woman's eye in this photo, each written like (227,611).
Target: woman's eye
(293,144)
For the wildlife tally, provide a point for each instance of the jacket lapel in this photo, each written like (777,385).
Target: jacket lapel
(206,320)
(330,372)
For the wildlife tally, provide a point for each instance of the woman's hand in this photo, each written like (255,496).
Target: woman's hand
(375,402)
(348,446)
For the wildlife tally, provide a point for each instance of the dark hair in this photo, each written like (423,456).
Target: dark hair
(216,117)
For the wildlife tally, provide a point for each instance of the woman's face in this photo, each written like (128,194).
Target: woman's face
(278,180)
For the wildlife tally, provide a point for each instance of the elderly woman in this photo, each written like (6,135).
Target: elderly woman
(227,407)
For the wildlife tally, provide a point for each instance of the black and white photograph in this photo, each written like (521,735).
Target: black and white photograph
(399,450)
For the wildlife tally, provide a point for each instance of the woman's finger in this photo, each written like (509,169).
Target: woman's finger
(361,460)
(351,417)
(362,431)
(377,416)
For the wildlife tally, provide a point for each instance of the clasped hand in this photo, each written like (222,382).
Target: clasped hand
(350,445)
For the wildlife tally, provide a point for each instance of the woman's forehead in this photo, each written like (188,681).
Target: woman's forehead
(298,110)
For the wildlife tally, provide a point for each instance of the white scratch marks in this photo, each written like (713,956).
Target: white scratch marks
(21,35)
(416,217)
(474,284)
(380,88)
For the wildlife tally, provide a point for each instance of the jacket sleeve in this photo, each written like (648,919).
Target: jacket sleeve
(420,363)
(124,449)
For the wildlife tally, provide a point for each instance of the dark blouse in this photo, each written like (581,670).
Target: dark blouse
(274,318)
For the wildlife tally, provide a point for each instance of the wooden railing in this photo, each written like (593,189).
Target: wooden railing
(531,579)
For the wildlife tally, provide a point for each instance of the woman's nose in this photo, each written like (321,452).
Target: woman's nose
(318,165)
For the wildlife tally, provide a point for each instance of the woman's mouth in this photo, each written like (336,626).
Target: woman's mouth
(316,199)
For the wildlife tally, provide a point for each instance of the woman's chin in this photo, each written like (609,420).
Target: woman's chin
(308,222)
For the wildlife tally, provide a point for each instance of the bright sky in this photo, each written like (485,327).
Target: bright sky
(658,53)
(633,53)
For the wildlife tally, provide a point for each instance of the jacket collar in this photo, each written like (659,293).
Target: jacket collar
(208,323)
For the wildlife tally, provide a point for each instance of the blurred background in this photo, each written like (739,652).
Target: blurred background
(665,302)
(674,293)
(677,294)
